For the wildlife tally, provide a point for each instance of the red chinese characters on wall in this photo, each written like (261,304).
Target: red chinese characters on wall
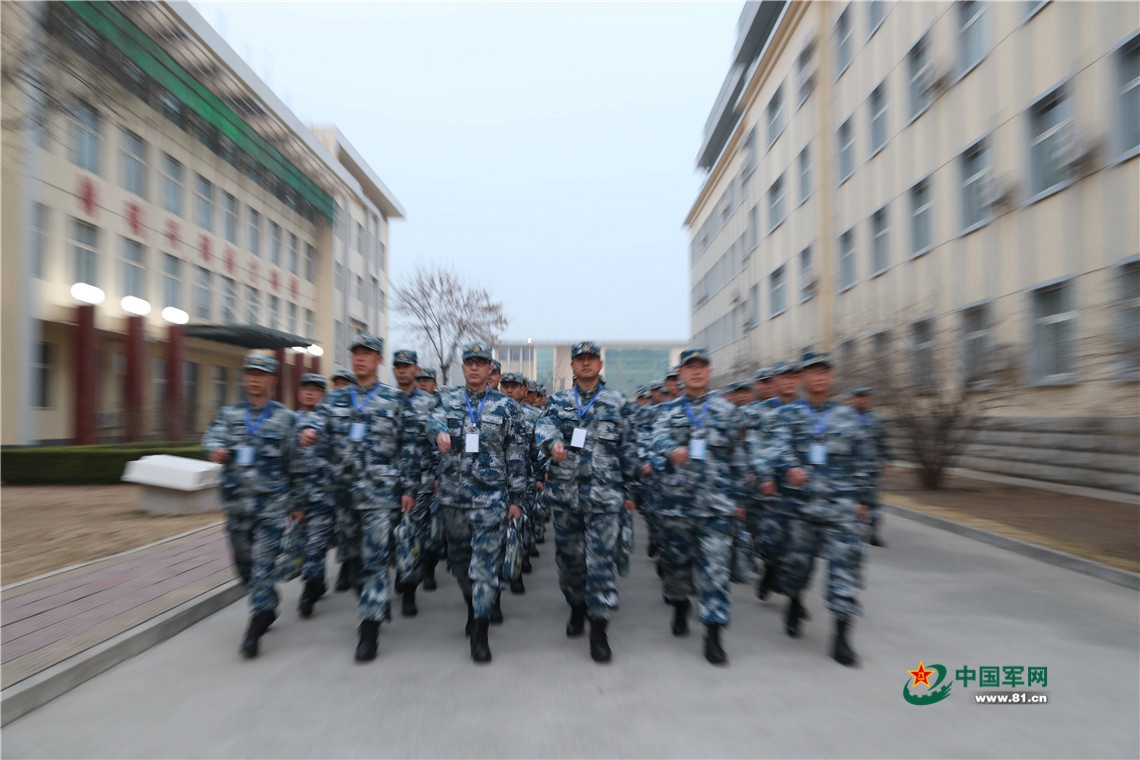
(87,195)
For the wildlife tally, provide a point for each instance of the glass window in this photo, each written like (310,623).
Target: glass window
(876,12)
(975,173)
(159,375)
(229,217)
(171,185)
(1128,317)
(878,104)
(204,294)
(171,281)
(976,343)
(1054,333)
(86,139)
(777,291)
(310,263)
(85,246)
(253,232)
(221,383)
(918,61)
(294,250)
(921,213)
(922,355)
(753,228)
(274,244)
(847,259)
(805,174)
(846,150)
(39,240)
(204,192)
(292,325)
(171,107)
(804,74)
(844,45)
(880,242)
(1051,121)
(253,306)
(133,160)
(41,398)
(310,324)
(1129,59)
(807,275)
(274,311)
(229,301)
(971,34)
(776,115)
(748,148)
(776,203)
(134,269)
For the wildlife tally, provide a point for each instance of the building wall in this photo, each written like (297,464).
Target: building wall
(625,365)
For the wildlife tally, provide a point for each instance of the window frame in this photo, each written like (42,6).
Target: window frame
(132,269)
(848,262)
(85,256)
(170,169)
(171,281)
(915,108)
(1126,371)
(884,235)
(1123,152)
(803,160)
(777,286)
(203,293)
(86,138)
(806,256)
(963,27)
(203,202)
(841,65)
(129,159)
(883,112)
(927,183)
(1059,92)
(979,179)
(777,203)
(777,119)
(850,143)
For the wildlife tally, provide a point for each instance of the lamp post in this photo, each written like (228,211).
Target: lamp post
(86,365)
(137,308)
(175,350)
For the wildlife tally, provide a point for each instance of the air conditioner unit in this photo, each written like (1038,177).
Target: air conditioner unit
(1076,149)
(998,192)
(933,78)
(809,281)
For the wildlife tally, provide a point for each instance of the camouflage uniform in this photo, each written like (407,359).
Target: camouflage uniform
(764,522)
(772,543)
(586,491)
(879,452)
(476,489)
(643,434)
(535,524)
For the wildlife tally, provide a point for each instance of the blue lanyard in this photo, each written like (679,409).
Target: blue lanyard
(250,428)
(367,399)
(819,423)
(475,415)
(704,412)
(578,402)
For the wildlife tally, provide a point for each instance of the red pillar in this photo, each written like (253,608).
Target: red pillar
(174,411)
(282,376)
(315,365)
(133,384)
(298,370)
(85,370)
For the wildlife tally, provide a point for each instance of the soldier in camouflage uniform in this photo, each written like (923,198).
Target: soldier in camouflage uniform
(764,520)
(496,375)
(434,548)
(514,386)
(482,484)
(762,384)
(872,426)
(697,450)
(373,443)
(643,431)
(255,442)
(821,454)
(319,517)
(593,474)
(426,382)
(348,552)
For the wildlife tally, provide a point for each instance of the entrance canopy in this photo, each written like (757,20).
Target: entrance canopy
(247,336)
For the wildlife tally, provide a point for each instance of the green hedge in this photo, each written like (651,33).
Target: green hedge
(82,465)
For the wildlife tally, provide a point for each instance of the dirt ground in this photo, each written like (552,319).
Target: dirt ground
(45,528)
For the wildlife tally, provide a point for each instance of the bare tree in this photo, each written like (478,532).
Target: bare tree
(436,305)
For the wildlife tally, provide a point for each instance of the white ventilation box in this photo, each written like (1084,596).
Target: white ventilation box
(175,485)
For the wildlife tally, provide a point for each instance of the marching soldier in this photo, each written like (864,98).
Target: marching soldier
(872,426)
(425,381)
(514,386)
(319,517)
(347,555)
(762,384)
(772,541)
(342,378)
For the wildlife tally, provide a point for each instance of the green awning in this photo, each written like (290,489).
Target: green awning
(133,42)
(247,336)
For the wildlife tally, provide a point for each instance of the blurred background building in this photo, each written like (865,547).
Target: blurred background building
(942,194)
(144,161)
(627,365)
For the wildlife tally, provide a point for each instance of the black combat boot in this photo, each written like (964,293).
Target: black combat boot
(314,590)
(793,616)
(408,607)
(470,627)
(599,642)
(429,573)
(577,622)
(526,566)
(841,651)
(480,649)
(875,540)
(714,652)
(369,636)
(652,549)
(258,625)
(343,582)
(517,586)
(769,582)
(680,617)
(497,610)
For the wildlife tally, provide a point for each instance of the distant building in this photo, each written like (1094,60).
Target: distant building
(627,364)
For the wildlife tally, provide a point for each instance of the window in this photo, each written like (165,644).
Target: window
(805,174)
(274,244)
(920,218)
(778,291)
(338,276)
(359,237)
(134,269)
(338,338)
(310,263)
(1054,333)
(190,394)
(86,140)
(294,248)
(922,355)
(159,389)
(753,314)
(749,149)
(1032,6)
(918,61)
(41,391)
(253,232)
(310,324)
(359,290)
(381,256)
(204,294)
(204,202)
(133,163)
(881,344)
(171,107)
(846,150)
(1050,127)
(805,74)
(229,217)
(292,325)
(38,261)
(753,228)
(880,242)
(1129,61)
(776,115)
(976,344)
(971,34)
(171,185)
(847,259)
(253,307)
(807,275)
(776,203)
(876,12)
(975,172)
(229,301)
(274,311)
(171,282)
(1128,329)
(878,104)
(848,354)
(221,383)
(85,245)
(843,41)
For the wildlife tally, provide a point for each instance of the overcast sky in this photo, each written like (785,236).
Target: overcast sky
(544,150)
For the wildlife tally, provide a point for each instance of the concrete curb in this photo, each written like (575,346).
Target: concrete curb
(1044,554)
(36,691)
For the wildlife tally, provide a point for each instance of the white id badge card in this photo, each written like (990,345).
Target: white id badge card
(356,432)
(244,456)
(697,448)
(817,454)
(578,438)
(471,443)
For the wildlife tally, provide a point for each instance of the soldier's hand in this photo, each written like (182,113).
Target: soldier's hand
(679,455)
(297,516)
(219,456)
(539,485)
(863,513)
(514,512)
(768,488)
(796,477)
(630,505)
(308,437)
(646,470)
(434,486)
(443,442)
(740,513)
(407,502)
(558,452)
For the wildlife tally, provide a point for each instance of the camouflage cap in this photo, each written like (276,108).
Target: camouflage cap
(673,371)
(344,374)
(643,392)
(477,351)
(585,347)
(861,390)
(426,374)
(513,377)
(815,358)
(783,368)
(532,386)
(497,366)
(762,374)
(261,363)
(364,340)
(694,354)
(312,378)
(404,356)
(541,389)
(739,385)
(657,386)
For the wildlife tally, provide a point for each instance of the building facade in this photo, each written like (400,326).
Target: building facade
(945,192)
(142,157)
(627,365)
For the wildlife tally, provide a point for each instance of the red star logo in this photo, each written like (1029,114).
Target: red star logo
(87,196)
(293,288)
(922,675)
(134,218)
(253,270)
(204,247)
(172,232)
(230,260)
(273,280)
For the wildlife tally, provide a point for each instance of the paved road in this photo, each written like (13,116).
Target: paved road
(932,596)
